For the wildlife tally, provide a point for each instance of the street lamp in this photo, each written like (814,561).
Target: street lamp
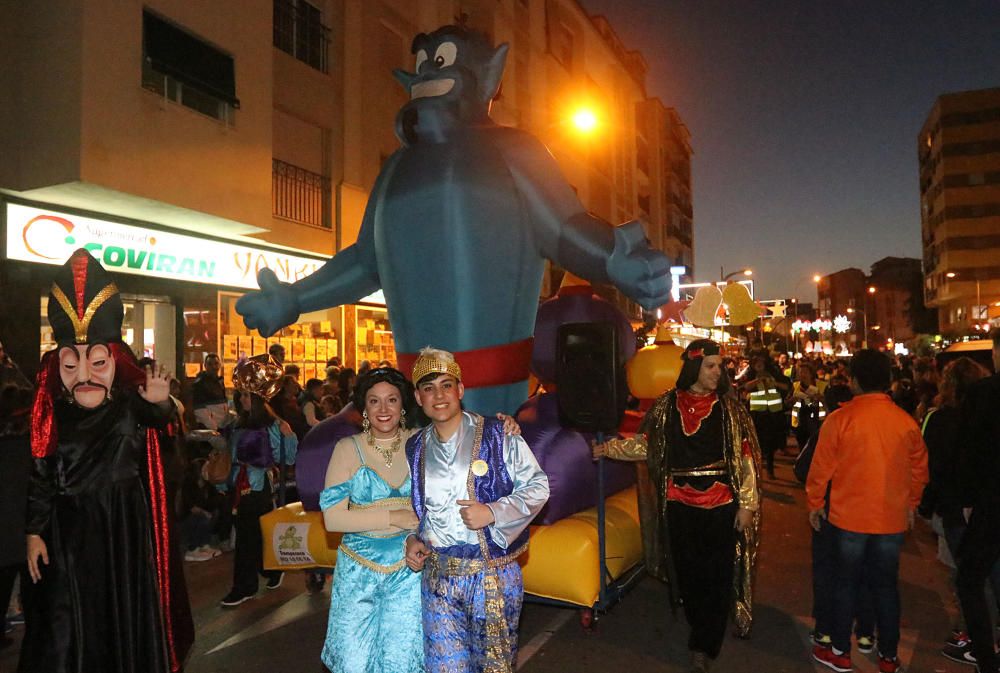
(584,120)
(723,276)
(815,279)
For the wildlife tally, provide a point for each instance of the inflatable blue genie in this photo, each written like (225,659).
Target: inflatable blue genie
(457,229)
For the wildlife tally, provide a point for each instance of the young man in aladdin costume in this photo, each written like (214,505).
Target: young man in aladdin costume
(475,490)
(700,506)
(107,590)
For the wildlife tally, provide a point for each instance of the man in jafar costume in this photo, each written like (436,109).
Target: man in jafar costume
(700,506)
(107,590)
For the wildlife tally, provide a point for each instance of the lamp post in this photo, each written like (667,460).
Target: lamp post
(815,279)
(723,276)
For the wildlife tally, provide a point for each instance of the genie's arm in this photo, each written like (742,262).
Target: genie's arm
(575,239)
(348,276)
(564,231)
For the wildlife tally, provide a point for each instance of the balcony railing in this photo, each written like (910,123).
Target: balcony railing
(299,32)
(300,195)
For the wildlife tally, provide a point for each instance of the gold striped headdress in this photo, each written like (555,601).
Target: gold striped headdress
(84,304)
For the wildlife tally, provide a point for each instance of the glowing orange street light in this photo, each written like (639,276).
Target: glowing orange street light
(585,120)
(950,274)
(817,278)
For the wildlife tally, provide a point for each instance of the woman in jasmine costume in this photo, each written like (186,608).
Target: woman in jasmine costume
(375,609)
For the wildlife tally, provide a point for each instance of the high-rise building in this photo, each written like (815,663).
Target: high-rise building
(959,151)
(188,145)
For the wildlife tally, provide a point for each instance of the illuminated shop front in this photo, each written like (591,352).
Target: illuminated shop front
(179,291)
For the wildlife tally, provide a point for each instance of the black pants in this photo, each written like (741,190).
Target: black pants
(248,559)
(7,576)
(703,543)
(771,433)
(978,552)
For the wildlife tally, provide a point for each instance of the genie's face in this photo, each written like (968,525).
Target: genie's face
(457,75)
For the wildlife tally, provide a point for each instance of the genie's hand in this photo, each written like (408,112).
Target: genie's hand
(638,270)
(273,307)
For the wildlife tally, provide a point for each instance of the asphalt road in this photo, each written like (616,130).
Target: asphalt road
(282,630)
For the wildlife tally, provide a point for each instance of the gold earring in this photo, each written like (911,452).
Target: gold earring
(402,418)
(366,425)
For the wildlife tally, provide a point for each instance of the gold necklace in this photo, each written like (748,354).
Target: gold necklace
(387,452)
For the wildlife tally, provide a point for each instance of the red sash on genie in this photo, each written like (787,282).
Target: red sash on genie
(485,367)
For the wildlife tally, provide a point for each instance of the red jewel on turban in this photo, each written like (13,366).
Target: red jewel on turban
(695,353)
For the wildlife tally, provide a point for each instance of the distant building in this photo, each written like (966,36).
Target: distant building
(844,293)
(959,153)
(888,302)
(897,305)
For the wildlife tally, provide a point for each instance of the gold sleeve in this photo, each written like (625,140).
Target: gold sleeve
(633,449)
(749,495)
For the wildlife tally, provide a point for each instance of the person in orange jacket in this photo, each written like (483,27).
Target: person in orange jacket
(873,457)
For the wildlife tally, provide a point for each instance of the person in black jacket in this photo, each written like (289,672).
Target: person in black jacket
(208,395)
(15,467)
(943,496)
(979,549)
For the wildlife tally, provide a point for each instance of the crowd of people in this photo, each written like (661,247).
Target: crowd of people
(423,584)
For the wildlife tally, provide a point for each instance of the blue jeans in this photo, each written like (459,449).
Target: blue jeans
(869,561)
(824,567)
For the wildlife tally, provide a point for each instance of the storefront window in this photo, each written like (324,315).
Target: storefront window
(374,336)
(308,344)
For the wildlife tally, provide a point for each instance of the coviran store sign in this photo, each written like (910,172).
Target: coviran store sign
(49,237)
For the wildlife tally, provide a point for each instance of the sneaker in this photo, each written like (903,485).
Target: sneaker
(197,555)
(16,619)
(958,638)
(960,652)
(832,660)
(866,644)
(821,639)
(234,598)
(275,581)
(887,665)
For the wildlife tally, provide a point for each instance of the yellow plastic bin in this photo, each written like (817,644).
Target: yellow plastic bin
(295,539)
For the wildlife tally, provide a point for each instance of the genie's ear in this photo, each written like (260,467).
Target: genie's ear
(404,78)
(489,85)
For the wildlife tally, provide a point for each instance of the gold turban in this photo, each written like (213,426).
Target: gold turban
(433,360)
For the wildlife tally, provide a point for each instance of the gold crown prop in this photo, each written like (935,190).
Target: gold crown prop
(433,360)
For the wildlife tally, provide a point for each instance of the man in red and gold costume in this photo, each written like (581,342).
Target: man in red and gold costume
(107,589)
(699,500)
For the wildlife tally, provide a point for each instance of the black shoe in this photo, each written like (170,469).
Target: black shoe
(315,582)
(234,598)
(960,652)
(274,581)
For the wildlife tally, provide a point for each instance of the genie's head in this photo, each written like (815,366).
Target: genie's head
(458,74)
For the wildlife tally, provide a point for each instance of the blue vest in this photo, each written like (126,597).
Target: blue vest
(492,486)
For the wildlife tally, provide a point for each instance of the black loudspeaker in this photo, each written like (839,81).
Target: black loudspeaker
(590,377)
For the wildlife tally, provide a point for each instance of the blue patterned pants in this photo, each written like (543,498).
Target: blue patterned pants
(454,615)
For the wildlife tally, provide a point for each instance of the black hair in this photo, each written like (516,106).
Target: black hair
(313,383)
(872,370)
(689,376)
(836,395)
(393,377)
(344,379)
(259,416)
(212,355)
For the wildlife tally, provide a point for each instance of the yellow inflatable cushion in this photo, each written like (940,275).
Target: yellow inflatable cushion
(295,539)
(561,561)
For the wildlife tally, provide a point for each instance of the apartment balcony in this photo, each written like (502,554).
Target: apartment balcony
(300,195)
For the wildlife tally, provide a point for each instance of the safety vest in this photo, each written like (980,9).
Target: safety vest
(766,400)
(797,409)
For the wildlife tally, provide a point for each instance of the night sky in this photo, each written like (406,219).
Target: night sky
(804,116)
